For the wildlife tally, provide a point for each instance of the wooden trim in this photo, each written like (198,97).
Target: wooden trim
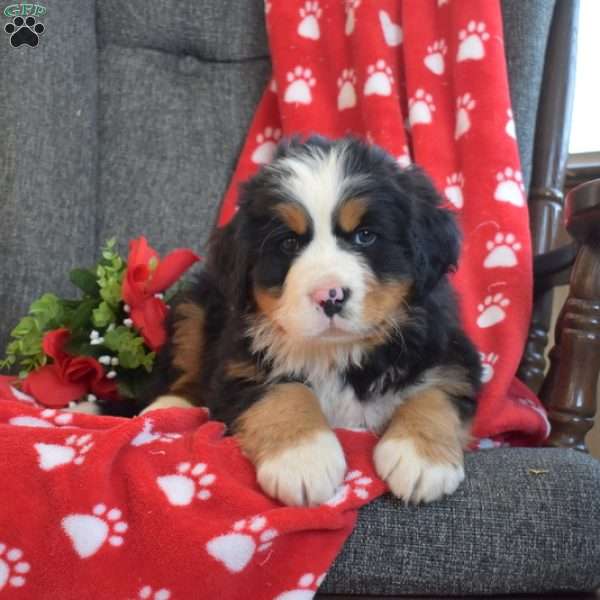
(569,391)
(548,172)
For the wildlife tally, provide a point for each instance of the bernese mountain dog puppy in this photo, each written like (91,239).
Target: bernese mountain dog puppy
(325,303)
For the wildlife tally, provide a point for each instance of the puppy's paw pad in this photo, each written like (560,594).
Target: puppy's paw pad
(413,477)
(307,474)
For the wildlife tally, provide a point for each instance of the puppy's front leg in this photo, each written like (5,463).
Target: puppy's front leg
(420,455)
(298,458)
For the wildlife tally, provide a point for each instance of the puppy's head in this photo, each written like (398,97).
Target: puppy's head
(332,241)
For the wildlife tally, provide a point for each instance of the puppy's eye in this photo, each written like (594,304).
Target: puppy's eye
(290,245)
(364,237)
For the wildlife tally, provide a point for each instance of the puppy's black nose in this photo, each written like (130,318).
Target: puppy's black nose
(335,301)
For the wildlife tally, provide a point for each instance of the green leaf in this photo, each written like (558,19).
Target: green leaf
(111,291)
(24,327)
(129,348)
(47,311)
(109,274)
(81,317)
(85,280)
(103,316)
(8,362)
(149,361)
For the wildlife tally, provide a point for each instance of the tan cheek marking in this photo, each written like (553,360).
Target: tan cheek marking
(239,369)
(267,300)
(294,217)
(351,213)
(188,345)
(287,414)
(384,302)
(432,422)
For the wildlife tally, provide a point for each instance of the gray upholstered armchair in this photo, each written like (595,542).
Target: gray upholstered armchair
(127,119)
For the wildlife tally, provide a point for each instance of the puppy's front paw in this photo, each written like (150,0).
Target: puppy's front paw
(411,475)
(306,474)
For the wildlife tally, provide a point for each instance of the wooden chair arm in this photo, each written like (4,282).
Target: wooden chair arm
(582,212)
(569,390)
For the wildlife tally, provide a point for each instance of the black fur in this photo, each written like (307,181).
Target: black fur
(418,240)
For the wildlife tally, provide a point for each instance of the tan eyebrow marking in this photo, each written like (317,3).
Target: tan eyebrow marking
(351,213)
(294,216)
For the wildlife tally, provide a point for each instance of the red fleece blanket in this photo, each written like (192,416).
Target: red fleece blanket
(426,81)
(158,507)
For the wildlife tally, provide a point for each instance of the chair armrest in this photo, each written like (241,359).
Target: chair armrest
(570,388)
(553,268)
(582,212)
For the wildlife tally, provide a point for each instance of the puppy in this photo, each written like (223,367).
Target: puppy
(325,303)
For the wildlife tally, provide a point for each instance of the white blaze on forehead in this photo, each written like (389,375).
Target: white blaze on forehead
(317,182)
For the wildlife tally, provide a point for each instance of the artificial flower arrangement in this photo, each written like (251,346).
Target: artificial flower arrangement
(101,346)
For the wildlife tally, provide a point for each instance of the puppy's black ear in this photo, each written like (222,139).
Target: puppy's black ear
(435,236)
(228,262)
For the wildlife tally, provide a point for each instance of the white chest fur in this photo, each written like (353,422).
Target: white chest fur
(342,408)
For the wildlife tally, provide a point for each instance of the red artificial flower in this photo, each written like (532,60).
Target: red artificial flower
(146,276)
(68,378)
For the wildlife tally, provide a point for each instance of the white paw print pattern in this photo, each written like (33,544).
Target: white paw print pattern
(454,189)
(351,6)
(190,482)
(246,538)
(392,32)
(420,108)
(488,363)
(268,6)
(13,570)
(89,532)
(308,27)
(441,2)
(472,42)
(509,187)
(404,159)
(347,90)
(434,59)
(492,310)
(306,588)
(273,85)
(379,79)
(298,90)
(147,436)
(50,418)
(354,483)
(502,251)
(464,105)
(510,125)
(148,593)
(267,144)
(74,450)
